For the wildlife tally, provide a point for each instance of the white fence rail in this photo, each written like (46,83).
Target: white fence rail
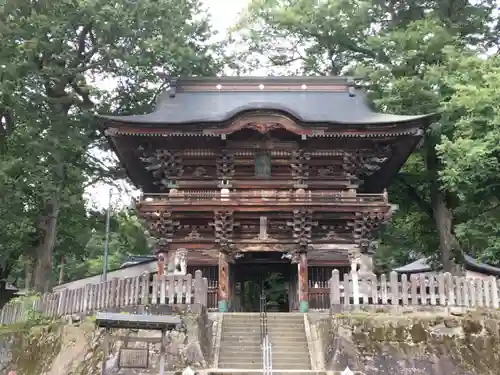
(115,293)
(441,289)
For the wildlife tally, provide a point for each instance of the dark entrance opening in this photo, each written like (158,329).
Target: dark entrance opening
(263,272)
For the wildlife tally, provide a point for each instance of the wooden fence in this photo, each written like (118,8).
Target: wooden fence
(352,289)
(115,293)
(438,290)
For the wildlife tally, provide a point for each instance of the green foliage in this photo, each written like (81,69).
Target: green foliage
(60,62)
(31,316)
(414,58)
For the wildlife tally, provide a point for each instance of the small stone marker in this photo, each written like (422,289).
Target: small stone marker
(347,371)
(188,371)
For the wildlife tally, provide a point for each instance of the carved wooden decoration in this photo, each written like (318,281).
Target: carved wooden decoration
(223,226)
(264,124)
(363,163)
(162,226)
(300,165)
(326,171)
(225,165)
(165,165)
(366,226)
(263,127)
(199,172)
(302,225)
(193,235)
(335,232)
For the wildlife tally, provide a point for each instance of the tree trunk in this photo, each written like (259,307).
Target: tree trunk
(3,293)
(4,273)
(444,224)
(45,248)
(443,216)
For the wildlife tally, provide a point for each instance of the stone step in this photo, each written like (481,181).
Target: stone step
(277,372)
(271,331)
(241,338)
(258,365)
(254,364)
(240,342)
(255,372)
(257,328)
(292,353)
(257,355)
(257,318)
(269,320)
(278,346)
(253,357)
(258,321)
(279,325)
(269,314)
(277,350)
(273,335)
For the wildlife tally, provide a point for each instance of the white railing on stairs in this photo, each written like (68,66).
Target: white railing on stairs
(267,356)
(265,344)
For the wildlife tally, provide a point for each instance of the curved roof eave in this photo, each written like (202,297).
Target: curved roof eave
(421,265)
(376,118)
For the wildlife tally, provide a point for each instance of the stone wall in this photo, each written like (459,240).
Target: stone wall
(74,347)
(431,343)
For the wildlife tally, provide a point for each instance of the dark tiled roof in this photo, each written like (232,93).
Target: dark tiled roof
(307,105)
(137,259)
(422,265)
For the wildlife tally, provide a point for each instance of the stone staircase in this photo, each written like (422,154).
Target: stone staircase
(240,344)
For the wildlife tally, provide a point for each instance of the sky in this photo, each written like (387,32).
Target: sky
(224,13)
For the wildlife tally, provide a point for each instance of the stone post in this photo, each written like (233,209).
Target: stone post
(223,282)
(303,283)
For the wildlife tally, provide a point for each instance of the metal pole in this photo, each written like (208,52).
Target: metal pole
(106,241)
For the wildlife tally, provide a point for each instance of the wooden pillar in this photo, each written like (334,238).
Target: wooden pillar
(303,283)
(223,282)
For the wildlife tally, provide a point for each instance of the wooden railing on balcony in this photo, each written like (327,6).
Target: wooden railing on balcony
(267,195)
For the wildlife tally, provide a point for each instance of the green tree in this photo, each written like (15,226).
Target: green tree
(55,60)
(402,50)
(471,154)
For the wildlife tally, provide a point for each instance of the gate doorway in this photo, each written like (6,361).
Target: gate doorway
(263,272)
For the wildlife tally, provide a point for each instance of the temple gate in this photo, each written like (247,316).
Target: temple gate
(257,179)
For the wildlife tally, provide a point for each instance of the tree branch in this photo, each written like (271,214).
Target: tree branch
(413,193)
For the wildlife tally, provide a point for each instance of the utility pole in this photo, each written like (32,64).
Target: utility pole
(106,240)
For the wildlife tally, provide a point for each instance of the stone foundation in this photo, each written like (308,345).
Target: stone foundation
(74,346)
(425,342)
